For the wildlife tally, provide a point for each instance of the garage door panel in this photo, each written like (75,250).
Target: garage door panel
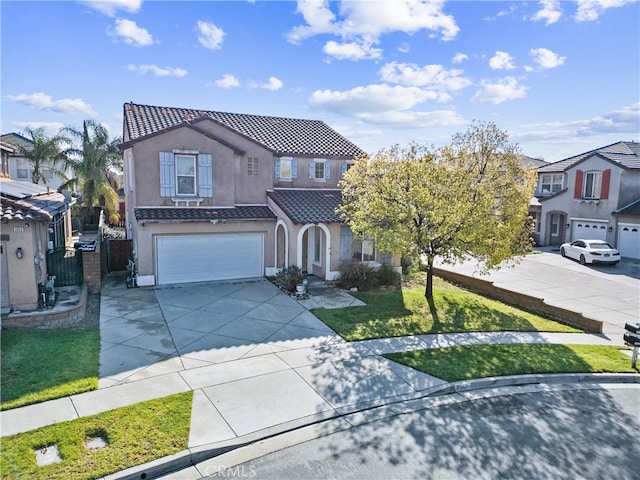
(200,258)
(629,240)
(589,230)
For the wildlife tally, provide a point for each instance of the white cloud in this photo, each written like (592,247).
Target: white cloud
(227,81)
(273,84)
(460,57)
(550,12)
(42,101)
(363,23)
(435,118)
(158,71)
(590,10)
(110,7)
(50,128)
(210,36)
(430,76)
(404,47)
(373,98)
(351,51)
(131,33)
(501,61)
(500,91)
(545,59)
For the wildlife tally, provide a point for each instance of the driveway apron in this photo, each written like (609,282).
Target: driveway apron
(255,357)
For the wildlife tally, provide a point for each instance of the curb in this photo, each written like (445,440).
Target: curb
(431,397)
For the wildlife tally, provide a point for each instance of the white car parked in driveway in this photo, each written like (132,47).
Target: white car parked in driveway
(590,251)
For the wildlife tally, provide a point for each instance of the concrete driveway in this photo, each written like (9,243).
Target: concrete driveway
(607,293)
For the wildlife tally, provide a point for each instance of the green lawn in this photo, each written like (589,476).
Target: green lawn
(135,435)
(406,312)
(39,365)
(463,363)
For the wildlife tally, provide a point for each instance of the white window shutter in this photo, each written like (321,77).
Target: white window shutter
(343,169)
(294,168)
(277,169)
(327,170)
(205,175)
(167,175)
(312,169)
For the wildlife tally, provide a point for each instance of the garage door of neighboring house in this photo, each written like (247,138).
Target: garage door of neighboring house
(201,258)
(629,240)
(589,230)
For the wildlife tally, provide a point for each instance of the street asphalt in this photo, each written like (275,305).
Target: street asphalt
(260,363)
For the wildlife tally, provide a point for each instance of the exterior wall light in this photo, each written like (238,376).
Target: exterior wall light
(19,253)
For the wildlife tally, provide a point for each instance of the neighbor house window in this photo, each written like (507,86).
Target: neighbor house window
(252,166)
(47,174)
(319,170)
(22,173)
(185,174)
(551,183)
(592,184)
(345,166)
(286,168)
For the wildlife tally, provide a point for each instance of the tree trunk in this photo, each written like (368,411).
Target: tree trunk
(428,291)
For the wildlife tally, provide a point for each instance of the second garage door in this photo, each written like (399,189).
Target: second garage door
(201,258)
(629,240)
(589,230)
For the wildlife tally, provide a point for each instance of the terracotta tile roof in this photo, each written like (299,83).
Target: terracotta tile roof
(626,154)
(202,214)
(11,209)
(308,206)
(285,136)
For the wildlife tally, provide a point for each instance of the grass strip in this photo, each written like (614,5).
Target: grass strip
(478,361)
(406,312)
(135,435)
(39,365)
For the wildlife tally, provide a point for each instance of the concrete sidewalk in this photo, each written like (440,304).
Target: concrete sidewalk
(259,363)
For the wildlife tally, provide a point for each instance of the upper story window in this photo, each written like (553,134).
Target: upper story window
(592,184)
(186,174)
(22,173)
(286,168)
(346,166)
(551,183)
(319,170)
(252,166)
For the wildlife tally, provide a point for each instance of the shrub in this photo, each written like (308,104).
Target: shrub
(358,275)
(387,275)
(289,277)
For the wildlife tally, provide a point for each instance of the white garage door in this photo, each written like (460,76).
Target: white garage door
(629,240)
(589,230)
(201,258)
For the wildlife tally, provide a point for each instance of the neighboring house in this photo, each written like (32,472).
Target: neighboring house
(21,169)
(34,220)
(213,195)
(593,195)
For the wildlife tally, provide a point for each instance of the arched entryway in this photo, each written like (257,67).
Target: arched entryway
(556,228)
(313,249)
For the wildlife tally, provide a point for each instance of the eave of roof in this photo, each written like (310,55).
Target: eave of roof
(11,209)
(633,209)
(203,214)
(623,154)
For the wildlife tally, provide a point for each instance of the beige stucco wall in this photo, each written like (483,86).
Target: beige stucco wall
(24,275)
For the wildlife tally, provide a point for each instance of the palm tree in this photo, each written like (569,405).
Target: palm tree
(44,151)
(96,164)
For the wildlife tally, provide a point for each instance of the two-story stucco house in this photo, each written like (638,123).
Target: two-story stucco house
(216,196)
(594,195)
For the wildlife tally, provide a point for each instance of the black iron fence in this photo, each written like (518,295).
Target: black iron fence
(66,265)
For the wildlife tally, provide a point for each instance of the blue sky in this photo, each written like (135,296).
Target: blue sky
(562,77)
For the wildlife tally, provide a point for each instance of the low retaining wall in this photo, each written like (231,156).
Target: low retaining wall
(69,317)
(522,300)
